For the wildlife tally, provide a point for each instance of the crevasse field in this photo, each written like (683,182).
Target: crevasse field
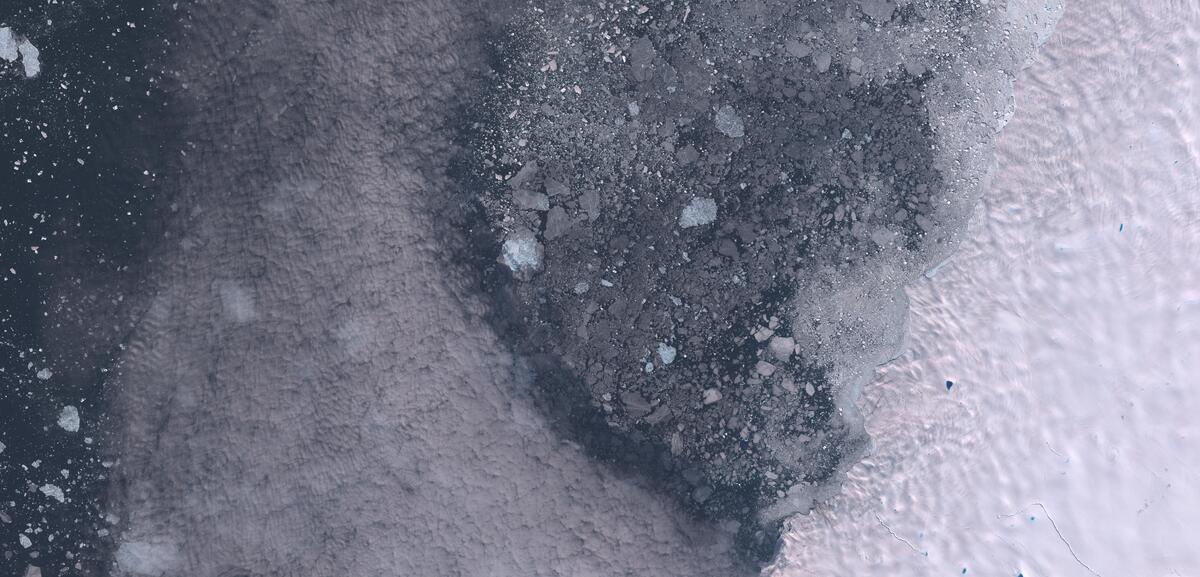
(1069,324)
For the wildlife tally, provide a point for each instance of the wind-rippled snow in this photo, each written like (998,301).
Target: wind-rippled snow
(1069,323)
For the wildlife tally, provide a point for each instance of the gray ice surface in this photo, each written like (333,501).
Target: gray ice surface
(729,123)
(315,385)
(311,388)
(790,170)
(13,46)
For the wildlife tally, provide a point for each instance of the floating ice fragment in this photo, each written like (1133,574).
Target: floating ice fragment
(729,123)
(823,61)
(522,254)
(24,540)
(764,368)
(142,558)
(29,58)
(68,419)
(54,492)
(666,353)
(530,200)
(796,49)
(782,347)
(45,374)
(711,396)
(699,211)
(12,47)
(880,10)
(635,404)
(8,44)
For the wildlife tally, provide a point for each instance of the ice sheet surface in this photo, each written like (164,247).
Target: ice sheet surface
(1069,326)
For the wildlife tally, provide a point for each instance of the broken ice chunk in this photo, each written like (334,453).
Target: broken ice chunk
(823,61)
(526,174)
(699,211)
(29,58)
(68,419)
(666,353)
(12,47)
(557,223)
(522,254)
(796,49)
(529,200)
(54,492)
(148,558)
(45,374)
(764,368)
(8,44)
(635,404)
(555,188)
(711,396)
(589,201)
(729,123)
(879,10)
(782,347)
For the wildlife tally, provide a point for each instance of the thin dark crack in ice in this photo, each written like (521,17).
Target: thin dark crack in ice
(1061,537)
(893,534)
(1065,542)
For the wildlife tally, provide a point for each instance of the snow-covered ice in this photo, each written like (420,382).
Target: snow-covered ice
(666,353)
(522,253)
(729,123)
(68,419)
(698,212)
(54,492)
(13,46)
(145,559)
(1069,325)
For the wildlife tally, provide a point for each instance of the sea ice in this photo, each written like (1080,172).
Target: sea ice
(699,211)
(68,419)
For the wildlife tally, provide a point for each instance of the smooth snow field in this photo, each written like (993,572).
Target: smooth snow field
(1069,324)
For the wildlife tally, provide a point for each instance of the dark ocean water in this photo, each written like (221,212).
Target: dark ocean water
(82,147)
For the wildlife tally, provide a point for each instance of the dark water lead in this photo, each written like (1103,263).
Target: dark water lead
(83,130)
